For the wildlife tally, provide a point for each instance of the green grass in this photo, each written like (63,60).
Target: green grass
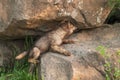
(114,2)
(112,72)
(18,75)
(20,70)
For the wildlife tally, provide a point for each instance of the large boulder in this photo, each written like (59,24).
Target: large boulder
(19,18)
(86,63)
(8,50)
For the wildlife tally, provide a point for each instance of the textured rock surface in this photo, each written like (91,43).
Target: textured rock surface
(31,17)
(7,53)
(85,63)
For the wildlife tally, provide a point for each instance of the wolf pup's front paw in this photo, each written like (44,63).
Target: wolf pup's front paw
(67,53)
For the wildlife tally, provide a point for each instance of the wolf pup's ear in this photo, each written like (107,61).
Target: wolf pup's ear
(21,55)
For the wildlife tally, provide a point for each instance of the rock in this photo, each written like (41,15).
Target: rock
(86,63)
(5,56)
(8,50)
(34,17)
